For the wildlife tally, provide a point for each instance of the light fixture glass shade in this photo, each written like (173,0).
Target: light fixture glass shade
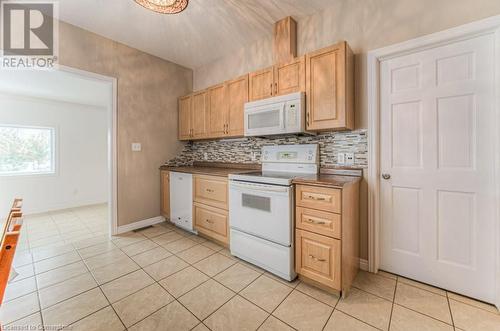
(164,6)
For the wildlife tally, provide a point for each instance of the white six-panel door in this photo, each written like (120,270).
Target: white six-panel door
(437,160)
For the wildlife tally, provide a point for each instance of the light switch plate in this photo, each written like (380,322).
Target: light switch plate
(136,147)
(349,158)
(341,158)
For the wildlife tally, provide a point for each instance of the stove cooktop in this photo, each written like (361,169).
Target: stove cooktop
(268,177)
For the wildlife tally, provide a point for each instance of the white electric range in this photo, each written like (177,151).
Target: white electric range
(261,208)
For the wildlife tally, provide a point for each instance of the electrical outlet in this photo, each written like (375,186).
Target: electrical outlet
(349,158)
(341,158)
(136,147)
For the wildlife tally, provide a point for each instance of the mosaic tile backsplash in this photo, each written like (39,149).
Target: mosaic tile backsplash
(248,150)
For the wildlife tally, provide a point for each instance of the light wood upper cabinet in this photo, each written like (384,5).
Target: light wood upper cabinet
(330,89)
(290,77)
(200,115)
(217,110)
(326,76)
(237,96)
(165,193)
(261,84)
(185,117)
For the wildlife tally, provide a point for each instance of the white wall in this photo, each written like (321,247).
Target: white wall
(81,155)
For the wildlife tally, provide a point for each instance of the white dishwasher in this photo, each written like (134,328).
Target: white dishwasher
(181,200)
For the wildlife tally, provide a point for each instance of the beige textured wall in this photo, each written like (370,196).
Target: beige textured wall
(148,88)
(366,25)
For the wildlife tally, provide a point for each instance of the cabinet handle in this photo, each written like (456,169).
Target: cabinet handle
(275,88)
(307,118)
(310,220)
(315,258)
(271,88)
(316,198)
(209,190)
(209,221)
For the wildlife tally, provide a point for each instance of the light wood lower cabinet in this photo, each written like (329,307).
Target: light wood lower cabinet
(211,221)
(318,221)
(318,258)
(211,190)
(322,198)
(210,210)
(165,193)
(327,235)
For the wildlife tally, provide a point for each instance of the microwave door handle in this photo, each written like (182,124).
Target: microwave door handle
(282,120)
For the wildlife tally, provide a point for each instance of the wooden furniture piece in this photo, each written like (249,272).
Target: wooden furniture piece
(165,193)
(236,97)
(285,40)
(330,88)
(200,115)
(185,125)
(261,84)
(210,211)
(9,240)
(217,110)
(327,235)
(277,80)
(325,75)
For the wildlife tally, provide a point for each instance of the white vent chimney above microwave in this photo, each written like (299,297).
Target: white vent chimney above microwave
(284,114)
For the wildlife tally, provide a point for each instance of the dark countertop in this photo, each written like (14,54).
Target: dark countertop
(332,177)
(326,180)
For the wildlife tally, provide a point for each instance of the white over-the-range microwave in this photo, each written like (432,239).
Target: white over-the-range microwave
(284,114)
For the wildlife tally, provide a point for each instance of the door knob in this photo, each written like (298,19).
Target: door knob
(386,176)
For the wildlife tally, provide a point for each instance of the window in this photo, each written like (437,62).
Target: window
(26,150)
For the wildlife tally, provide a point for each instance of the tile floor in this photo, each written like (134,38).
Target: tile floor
(72,276)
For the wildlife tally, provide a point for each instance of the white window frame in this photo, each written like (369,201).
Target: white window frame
(54,152)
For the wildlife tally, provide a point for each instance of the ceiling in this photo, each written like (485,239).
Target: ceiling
(204,32)
(56,85)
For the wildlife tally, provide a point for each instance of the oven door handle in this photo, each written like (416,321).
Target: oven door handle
(260,188)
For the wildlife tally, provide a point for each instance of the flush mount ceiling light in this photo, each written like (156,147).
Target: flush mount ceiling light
(164,6)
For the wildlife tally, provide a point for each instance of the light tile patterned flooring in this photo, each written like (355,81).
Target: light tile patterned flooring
(72,276)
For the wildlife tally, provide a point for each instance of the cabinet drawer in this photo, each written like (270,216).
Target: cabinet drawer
(322,198)
(318,258)
(317,221)
(211,221)
(211,190)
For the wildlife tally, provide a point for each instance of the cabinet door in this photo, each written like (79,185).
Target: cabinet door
(217,110)
(211,190)
(328,102)
(261,84)
(237,96)
(321,198)
(185,117)
(290,77)
(318,258)
(212,222)
(165,194)
(199,115)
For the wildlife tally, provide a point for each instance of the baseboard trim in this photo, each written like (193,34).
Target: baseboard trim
(140,224)
(363,264)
